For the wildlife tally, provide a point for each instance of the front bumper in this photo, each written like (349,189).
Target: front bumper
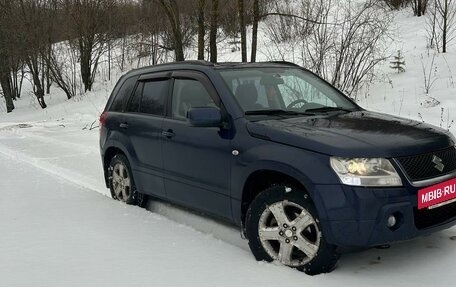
(354,217)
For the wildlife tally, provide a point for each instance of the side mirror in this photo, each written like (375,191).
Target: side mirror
(205,117)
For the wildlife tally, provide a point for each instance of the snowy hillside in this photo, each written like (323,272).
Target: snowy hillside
(404,94)
(60,228)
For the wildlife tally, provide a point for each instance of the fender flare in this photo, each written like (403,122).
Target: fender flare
(271,165)
(112,143)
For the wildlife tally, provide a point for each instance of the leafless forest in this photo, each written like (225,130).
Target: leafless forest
(63,43)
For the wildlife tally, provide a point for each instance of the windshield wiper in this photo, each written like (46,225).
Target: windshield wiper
(328,109)
(276,112)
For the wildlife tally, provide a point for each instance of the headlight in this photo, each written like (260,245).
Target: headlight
(366,171)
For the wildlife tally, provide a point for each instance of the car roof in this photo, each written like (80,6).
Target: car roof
(204,65)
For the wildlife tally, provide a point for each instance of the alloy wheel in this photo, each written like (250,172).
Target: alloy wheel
(289,233)
(121,182)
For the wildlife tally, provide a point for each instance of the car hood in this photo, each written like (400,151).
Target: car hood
(355,134)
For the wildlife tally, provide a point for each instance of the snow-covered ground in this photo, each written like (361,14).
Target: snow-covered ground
(58,226)
(404,94)
(58,229)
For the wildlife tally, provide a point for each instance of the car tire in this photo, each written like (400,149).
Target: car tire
(122,184)
(282,225)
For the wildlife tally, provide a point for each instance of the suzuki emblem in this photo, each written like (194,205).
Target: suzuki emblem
(438,163)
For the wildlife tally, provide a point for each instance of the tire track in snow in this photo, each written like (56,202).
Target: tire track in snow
(61,172)
(54,165)
(60,157)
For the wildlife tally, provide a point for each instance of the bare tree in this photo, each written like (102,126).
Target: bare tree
(124,19)
(429,74)
(396,4)
(446,11)
(90,25)
(148,42)
(201,28)
(341,41)
(359,48)
(15,59)
(213,31)
(256,19)
(5,77)
(62,63)
(32,15)
(242,24)
(228,19)
(431,26)
(284,27)
(5,11)
(17,75)
(172,12)
(441,24)
(419,7)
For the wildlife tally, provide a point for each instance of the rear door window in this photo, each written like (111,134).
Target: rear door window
(154,96)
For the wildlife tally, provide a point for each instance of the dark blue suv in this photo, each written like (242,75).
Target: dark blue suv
(271,147)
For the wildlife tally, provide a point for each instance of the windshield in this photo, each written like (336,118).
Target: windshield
(291,91)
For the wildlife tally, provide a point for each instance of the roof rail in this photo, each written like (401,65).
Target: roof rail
(284,63)
(190,62)
(195,62)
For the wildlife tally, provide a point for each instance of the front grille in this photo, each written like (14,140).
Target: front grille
(421,167)
(425,218)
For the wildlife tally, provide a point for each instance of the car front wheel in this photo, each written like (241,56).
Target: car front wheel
(282,225)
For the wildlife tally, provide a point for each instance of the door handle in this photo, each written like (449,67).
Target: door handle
(168,134)
(123,125)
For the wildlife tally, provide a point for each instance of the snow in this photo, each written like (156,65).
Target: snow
(55,233)
(59,226)
(403,94)
(58,230)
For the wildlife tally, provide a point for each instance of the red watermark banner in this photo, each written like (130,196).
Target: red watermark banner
(436,194)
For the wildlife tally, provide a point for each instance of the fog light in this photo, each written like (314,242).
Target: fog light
(391,221)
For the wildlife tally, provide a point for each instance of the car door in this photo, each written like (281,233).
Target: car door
(196,159)
(143,122)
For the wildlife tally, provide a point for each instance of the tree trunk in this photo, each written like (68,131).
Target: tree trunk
(109,59)
(12,86)
(38,88)
(419,7)
(5,77)
(122,61)
(48,81)
(172,12)
(201,29)
(243,31)
(179,49)
(433,39)
(213,31)
(48,69)
(6,88)
(256,18)
(445,27)
(15,81)
(85,48)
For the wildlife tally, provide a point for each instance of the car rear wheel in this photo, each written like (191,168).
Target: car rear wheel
(282,225)
(121,182)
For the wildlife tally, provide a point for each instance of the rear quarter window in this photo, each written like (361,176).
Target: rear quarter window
(122,96)
(133,106)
